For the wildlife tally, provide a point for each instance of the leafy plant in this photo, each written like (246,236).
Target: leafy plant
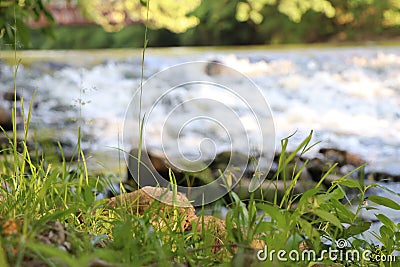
(15,16)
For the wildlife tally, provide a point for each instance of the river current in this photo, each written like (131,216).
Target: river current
(349,96)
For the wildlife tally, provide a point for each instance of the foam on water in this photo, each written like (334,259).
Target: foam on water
(349,97)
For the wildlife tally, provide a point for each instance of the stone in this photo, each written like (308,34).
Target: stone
(239,163)
(5,119)
(330,179)
(341,157)
(55,234)
(381,176)
(216,225)
(217,228)
(213,226)
(142,201)
(213,68)
(345,169)
(11,96)
(96,262)
(333,155)
(152,165)
(148,199)
(218,68)
(353,159)
(317,167)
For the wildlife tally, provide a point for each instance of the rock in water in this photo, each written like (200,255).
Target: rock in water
(214,68)
(341,157)
(156,165)
(11,96)
(151,165)
(5,119)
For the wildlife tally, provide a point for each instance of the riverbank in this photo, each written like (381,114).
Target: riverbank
(49,215)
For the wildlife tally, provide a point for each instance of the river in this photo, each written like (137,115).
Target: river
(349,96)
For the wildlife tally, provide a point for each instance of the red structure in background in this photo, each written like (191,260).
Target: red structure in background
(67,14)
(63,14)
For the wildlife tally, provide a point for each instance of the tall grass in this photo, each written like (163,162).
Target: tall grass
(35,193)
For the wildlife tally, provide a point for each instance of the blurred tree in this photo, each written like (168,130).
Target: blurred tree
(219,26)
(369,17)
(14,17)
(320,20)
(223,22)
(374,15)
(294,9)
(113,15)
(391,16)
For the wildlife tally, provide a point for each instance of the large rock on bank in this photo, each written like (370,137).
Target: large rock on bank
(168,209)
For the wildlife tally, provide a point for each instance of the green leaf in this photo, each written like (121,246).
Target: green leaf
(349,183)
(23,33)
(303,146)
(275,214)
(386,221)
(329,217)
(310,232)
(397,236)
(53,252)
(88,195)
(386,233)
(3,259)
(264,227)
(356,229)
(304,198)
(344,214)
(338,193)
(56,216)
(384,201)
(6,4)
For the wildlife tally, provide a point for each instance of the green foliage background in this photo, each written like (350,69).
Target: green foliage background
(14,14)
(205,22)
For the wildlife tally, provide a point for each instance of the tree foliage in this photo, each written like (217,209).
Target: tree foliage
(319,20)
(361,13)
(210,22)
(14,17)
(113,15)
(294,9)
(218,25)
